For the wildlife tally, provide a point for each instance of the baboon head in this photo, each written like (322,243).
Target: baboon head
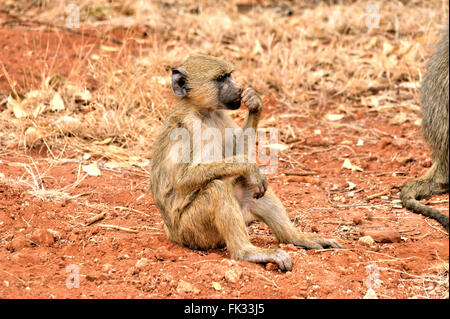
(206,82)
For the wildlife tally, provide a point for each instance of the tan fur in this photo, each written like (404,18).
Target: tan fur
(207,205)
(435,125)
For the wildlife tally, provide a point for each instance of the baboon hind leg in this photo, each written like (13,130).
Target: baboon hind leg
(433,182)
(215,218)
(270,210)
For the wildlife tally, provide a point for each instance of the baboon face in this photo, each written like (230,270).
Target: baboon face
(207,82)
(229,92)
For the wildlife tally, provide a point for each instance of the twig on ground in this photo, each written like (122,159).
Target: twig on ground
(118,228)
(301,173)
(438,229)
(131,210)
(95,218)
(385,192)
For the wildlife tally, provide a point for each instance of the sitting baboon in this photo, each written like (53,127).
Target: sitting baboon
(207,204)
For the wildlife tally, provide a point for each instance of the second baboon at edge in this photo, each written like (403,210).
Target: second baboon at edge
(435,123)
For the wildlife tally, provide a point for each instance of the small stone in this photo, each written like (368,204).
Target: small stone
(162,253)
(107,267)
(314,229)
(357,220)
(18,243)
(366,241)
(42,237)
(184,287)
(384,141)
(56,234)
(271,266)
(233,275)
(385,236)
(141,263)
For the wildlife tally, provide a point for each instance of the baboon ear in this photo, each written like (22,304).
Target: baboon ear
(179,82)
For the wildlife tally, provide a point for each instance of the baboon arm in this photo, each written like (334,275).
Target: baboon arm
(252,120)
(254,104)
(196,176)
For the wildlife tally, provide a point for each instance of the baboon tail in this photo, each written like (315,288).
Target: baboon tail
(411,192)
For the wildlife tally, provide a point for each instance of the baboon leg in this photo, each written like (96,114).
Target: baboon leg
(433,182)
(215,218)
(270,210)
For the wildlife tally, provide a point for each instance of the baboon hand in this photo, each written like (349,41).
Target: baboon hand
(257,181)
(312,241)
(252,100)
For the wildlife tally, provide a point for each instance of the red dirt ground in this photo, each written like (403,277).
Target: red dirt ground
(144,264)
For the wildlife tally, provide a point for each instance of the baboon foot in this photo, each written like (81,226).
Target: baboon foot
(312,241)
(261,255)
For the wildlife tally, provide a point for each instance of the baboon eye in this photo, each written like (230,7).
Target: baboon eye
(223,77)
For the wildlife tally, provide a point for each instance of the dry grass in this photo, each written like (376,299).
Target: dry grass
(321,59)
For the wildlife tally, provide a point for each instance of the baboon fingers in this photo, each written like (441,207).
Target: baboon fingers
(251,100)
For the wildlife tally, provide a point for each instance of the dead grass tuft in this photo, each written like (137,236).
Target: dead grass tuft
(323,58)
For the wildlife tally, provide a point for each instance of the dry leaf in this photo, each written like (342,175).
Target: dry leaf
(57,103)
(105,141)
(400,118)
(257,49)
(351,185)
(80,95)
(92,169)
(16,106)
(139,162)
(108,48)
(347,164)
(54,81)
(68,124)
(32,135)
(114,164)
(334,117)
(40,108)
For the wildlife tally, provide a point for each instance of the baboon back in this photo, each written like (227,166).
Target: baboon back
(435,104)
